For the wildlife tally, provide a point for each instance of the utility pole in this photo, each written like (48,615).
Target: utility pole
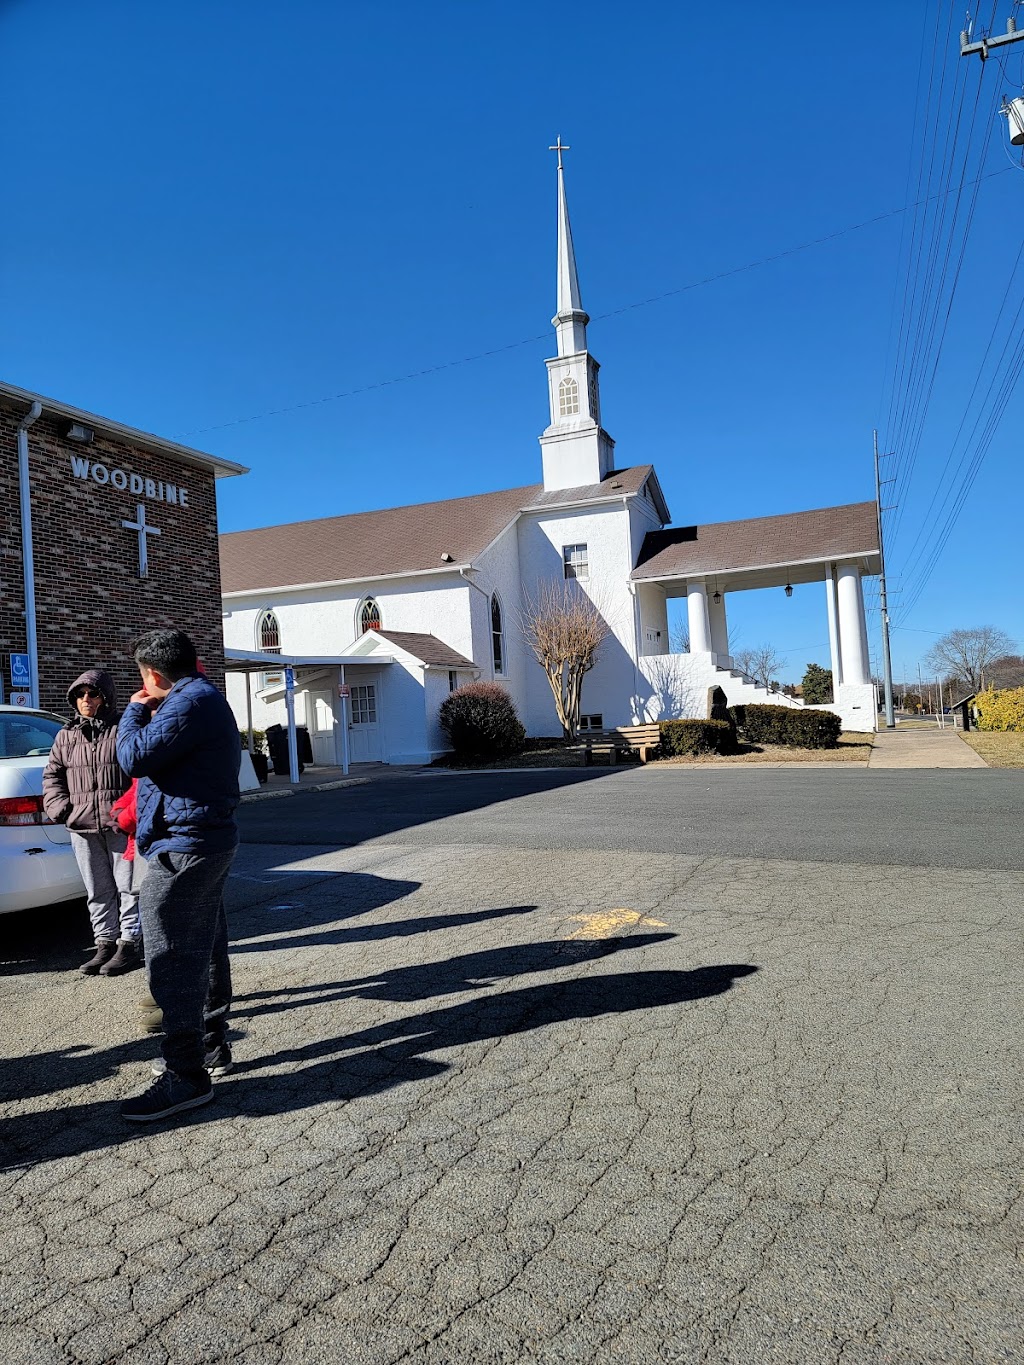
(1012,110)
(985,45)
(890,715)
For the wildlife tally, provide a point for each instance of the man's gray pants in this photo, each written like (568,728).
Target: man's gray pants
(186,936)
(113,905)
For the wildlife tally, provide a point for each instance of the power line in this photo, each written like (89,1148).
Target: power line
(600,317)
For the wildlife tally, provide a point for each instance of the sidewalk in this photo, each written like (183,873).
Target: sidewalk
(322,779)
(933,748)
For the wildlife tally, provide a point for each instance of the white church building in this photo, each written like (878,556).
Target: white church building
(398,607)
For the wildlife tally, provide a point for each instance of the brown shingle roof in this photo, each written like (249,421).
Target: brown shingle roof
(427,648)
(823,534)
(396,540)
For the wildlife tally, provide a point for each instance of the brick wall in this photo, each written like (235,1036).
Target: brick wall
(90,602)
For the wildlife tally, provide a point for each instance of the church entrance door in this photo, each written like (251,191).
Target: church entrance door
(322,729)
(364,727)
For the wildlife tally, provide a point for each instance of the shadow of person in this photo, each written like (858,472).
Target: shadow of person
(469,971)
(372,933)
(66,1068)
(325,898)
(374,1060)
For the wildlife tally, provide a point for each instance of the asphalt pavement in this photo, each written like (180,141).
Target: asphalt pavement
(636,1066)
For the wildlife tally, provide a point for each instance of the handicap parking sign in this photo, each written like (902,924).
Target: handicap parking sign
(21,674)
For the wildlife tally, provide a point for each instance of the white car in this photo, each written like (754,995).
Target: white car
(37,865)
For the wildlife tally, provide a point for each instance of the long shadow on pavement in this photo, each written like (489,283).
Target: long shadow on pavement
(368,1061)
(453,975)
(351,815)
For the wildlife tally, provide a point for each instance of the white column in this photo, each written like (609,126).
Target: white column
(833,627)
(719,626)
(700,624)
(852,630)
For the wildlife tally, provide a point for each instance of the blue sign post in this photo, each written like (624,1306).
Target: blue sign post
(289,706)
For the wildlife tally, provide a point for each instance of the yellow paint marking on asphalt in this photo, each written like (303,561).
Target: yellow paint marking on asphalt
(606,923)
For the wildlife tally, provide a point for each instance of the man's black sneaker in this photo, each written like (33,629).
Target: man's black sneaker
(218,1062)
(169,1094)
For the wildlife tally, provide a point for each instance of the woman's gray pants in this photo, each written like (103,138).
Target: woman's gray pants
(186,936)
(113,905)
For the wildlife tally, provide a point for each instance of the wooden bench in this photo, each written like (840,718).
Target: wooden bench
(638,739)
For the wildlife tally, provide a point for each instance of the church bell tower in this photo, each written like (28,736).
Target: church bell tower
(575,449)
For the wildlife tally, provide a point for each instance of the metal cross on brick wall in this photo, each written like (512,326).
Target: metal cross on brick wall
(140,525)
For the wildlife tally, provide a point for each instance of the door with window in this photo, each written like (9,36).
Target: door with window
(364,722)
(323,729)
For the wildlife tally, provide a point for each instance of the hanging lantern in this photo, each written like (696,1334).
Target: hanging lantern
(789,589)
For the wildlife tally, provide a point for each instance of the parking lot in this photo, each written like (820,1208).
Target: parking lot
(623,1066)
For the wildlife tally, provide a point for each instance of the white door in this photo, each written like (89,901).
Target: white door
(364,727)
(322,729)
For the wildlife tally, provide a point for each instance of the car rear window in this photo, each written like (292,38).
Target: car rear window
(27,736)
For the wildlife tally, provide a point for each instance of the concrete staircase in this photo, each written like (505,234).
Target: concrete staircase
(742,690)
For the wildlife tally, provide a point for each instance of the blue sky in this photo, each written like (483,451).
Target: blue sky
(217,211)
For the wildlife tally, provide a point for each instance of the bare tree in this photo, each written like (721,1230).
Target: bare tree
(760,663)
(679,637)
(1006,672)
(967,656)
(565,630)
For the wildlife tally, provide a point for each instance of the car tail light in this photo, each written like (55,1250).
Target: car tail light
(22,810)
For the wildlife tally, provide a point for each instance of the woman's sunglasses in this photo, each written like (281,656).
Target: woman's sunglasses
(91,692)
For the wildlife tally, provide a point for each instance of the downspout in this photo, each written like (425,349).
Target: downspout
(28,564)
(637,626)
(487,617)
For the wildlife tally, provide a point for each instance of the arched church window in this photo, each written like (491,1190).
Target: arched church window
(369,616)
(497,635)
(568,397)
(268,634)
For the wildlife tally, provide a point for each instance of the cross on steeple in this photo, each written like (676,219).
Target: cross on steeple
(559,147)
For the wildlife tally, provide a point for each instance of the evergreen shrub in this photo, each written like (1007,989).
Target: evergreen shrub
(480,720)
(696,737)
(259,740)
(1001,710)
(802,728)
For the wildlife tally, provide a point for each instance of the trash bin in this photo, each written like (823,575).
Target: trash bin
(277,743)
(304,745)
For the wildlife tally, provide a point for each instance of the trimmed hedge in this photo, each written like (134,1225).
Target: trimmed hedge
(696,737)
(480,720)
(802,728)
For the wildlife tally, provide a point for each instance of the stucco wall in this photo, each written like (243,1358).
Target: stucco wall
(609,688)
(323,621)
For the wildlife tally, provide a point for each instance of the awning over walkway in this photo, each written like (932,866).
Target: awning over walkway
(252,661)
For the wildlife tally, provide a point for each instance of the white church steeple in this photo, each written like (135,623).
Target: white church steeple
(576,451)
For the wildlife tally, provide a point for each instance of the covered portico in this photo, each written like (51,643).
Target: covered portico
(836,546)
(322,677)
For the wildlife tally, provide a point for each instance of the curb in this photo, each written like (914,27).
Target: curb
(313,787)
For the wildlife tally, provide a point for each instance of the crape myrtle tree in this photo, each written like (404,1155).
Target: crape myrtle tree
(565,630)
(817,685)
(966,657)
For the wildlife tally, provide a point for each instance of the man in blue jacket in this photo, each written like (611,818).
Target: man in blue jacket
(179,738)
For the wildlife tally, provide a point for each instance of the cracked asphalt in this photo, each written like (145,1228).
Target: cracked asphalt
(625,1066)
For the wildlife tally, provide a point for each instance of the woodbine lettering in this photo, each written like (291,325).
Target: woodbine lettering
(121,479)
